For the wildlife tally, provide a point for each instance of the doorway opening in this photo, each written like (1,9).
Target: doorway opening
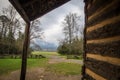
(59,52)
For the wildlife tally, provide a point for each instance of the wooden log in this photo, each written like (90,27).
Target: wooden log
(96,6)
(106,31)
(106,49)
(104,9)
(88,77)
(25,51)
(102,61)
(104,69)
(94,75)
(20,9)
(84,46)
(111,60)
(103,23)
(105,40)
(109,13)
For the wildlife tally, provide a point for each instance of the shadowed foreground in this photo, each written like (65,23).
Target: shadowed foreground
(39,74)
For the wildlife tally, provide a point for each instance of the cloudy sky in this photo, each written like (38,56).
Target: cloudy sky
(51,22)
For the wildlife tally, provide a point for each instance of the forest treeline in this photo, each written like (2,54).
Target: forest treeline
(12,31)
(11,36)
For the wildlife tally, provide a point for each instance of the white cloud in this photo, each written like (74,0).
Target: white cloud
(54,34)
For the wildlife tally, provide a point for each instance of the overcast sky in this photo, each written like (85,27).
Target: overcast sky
(51,22)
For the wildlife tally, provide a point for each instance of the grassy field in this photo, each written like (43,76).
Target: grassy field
(44,53)
(8,65)
(55,54)
(47,54)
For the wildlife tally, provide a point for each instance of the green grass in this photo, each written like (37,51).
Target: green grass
(37,62)
(65,68)
(8,65)
(44,53)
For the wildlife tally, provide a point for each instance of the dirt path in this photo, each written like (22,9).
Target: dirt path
(58,59)
(39,74)
(32,74)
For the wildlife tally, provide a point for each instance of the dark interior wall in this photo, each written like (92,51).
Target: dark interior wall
(102,40)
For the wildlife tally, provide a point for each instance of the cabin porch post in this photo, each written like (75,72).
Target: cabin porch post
(25,51)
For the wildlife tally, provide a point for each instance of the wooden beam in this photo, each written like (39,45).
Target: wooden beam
(25,51)
(48,10)
(103,23)
(30,3)
(20,9)
(84,43)
(94,75)
(111,60)
(98,12)
(105,40)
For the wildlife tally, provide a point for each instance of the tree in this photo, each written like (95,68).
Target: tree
(19,42)
(71,29)
(71,26)
(14,22)
(77,47)
(3,27)
(35,30)
(11,35)
(9,30)
(63,48)
(36,47)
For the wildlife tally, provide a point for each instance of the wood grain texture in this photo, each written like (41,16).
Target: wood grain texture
(104,69)
(105,49)
(96,6)
(102,61)
(111,60)
(94,75)
(112,12)
(103,9)
(103,32)
(105,40)
(103,23)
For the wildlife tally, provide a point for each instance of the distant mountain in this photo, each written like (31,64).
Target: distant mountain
(43,45)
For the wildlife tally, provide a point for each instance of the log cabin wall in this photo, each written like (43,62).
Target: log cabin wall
(102,40)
